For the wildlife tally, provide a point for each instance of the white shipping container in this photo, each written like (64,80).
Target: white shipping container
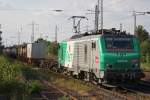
(36,51)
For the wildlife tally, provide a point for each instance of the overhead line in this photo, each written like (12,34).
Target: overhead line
(56,10)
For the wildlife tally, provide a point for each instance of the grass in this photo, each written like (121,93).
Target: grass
(64,98)
(74,85)
(65,82)
(145,66)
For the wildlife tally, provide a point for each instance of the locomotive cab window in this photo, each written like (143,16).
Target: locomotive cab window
(119,44)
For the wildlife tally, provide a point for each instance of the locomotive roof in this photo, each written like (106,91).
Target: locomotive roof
(82,37)
(108,33)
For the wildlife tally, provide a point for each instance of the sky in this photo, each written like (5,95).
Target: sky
(16,17)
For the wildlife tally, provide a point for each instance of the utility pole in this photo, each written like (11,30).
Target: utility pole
(76,26)
(0,38)
(6,42)
(102,16)
(33,24)
(135,14)
(120,27)
(96,17)
(98,10)
(56,30)
(19,36)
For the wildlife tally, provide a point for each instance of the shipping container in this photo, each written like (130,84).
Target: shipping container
(22,51)
(36,51)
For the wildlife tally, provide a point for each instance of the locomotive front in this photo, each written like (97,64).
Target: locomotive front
(121,58)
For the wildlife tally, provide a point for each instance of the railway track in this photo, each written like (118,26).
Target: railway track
(120,92)
(100,93)
(51,92)
(48,94)
(140,91)
(56,93)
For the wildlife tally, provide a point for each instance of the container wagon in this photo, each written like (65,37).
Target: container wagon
(36,52)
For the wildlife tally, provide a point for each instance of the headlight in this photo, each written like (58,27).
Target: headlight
(135,66)
(108,66)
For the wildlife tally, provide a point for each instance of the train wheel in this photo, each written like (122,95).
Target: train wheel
(87,77)
(82,75)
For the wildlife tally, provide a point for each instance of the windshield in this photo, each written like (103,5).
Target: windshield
(119,44)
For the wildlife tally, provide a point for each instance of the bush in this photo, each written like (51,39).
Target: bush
(34,87)
(51,47)
(9,71)
(145,50)
(11,80)
(29,73)
(11,87)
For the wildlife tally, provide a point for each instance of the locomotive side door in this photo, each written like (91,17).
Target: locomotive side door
(95,58)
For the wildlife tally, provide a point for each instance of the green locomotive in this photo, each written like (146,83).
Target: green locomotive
(102,58)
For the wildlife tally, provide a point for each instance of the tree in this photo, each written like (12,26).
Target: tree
(142,34)
(145,50)
(51,47)
(143,37)
(40,40)
(1,46)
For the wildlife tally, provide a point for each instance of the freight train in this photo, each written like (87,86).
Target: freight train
(110,57)
(30,53)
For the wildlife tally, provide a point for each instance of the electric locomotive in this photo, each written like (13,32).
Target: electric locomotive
(110,57)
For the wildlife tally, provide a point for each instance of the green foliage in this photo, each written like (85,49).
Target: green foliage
(51,47)
(145,50)
(29,73)
(11,80)
(40,40)
(10,87)
(8,71)
(31,76)
(17,79)
(142,34)
(64,98)
(146,66)
(34,87)
(1,46)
